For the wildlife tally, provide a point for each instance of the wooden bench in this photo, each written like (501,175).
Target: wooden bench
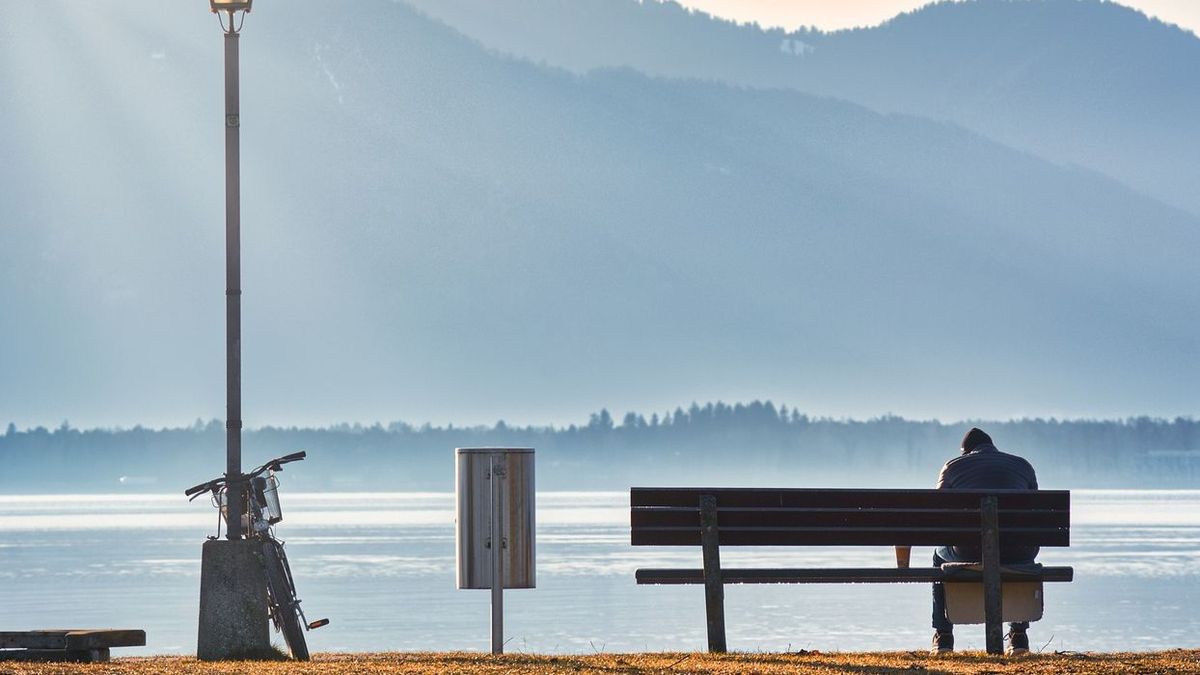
(83,645)
(716,517)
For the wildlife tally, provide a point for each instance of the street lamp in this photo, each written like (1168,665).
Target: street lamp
(233,590)
(230,5)
(233,263)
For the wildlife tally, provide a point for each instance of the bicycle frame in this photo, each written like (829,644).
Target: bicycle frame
(261,500)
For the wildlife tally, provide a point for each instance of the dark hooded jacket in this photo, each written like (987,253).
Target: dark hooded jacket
(983,467)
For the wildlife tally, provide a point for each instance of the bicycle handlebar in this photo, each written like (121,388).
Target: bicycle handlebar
(276,464)
(293,457)
(197,490)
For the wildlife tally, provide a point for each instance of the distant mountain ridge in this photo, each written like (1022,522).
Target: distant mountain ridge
(436,231)
(1082,82)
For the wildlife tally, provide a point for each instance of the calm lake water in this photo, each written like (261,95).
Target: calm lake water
(381,566)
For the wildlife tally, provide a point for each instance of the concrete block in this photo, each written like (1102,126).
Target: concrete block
(233,601)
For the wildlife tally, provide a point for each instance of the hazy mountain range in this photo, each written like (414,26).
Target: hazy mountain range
(1083,82)
(437,230)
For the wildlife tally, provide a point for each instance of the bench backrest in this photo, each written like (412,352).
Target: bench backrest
(841,517)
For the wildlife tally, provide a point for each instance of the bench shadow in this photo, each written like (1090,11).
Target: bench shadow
(802,662)
(783,662)
(553,663)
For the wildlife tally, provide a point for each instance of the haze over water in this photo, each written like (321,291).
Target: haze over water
(381,566)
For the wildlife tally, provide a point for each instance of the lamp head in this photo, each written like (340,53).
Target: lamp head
(230,6)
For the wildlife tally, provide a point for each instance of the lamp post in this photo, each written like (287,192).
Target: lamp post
(232,13)
(233,587)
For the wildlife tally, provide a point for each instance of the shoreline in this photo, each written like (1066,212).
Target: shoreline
(766,663)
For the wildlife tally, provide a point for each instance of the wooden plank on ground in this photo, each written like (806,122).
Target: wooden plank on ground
(33,639)
(59,655)
(104,639)
(72,638)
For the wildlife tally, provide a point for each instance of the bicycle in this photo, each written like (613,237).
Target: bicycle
(261,498)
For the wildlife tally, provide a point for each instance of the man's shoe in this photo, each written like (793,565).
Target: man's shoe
(1018,643)
(943,643)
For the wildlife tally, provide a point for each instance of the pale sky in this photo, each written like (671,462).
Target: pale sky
(833,14)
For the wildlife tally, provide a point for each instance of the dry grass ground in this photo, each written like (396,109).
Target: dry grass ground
(1175,661)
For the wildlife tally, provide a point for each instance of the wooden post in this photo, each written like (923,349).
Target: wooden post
(993,608)
(714,585)
(495,477)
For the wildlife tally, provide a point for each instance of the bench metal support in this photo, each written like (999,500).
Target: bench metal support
(714,585)
(993,609)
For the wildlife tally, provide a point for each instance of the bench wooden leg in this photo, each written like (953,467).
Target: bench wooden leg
(714,585)
(993,608)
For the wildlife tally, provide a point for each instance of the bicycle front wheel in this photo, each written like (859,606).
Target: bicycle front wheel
(285,608)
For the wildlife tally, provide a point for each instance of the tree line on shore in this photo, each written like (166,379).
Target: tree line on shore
(755,443)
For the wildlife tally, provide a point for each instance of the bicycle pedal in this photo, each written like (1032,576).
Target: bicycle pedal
(318,623)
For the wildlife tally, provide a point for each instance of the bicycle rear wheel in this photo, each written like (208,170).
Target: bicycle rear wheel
(285,608)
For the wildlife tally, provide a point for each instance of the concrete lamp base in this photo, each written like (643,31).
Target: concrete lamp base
(233,601)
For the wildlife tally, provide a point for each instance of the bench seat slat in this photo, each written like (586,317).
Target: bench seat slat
(850,498)
(845,536)
(825,575)
(680,516)
(836,509)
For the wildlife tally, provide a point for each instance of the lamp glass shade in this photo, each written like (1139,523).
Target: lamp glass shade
(230,5)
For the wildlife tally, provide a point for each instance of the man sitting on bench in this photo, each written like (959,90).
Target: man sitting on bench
(981,466)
